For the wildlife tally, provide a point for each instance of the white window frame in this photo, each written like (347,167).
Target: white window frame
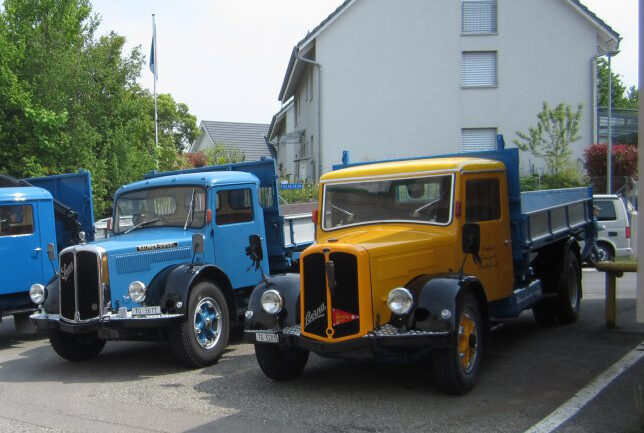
(494,84)
(487,129)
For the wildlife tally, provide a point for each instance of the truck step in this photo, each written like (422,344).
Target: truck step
(495,325)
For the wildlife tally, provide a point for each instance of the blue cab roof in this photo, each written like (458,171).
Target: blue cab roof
(18,194)
(207,179)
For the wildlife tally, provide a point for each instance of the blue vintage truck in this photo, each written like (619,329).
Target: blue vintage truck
(421,256)
(38,217)
(186,250)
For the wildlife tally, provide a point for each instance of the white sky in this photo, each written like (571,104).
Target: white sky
(226,59)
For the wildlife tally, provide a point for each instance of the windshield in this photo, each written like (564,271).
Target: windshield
(426,200)
(180,206)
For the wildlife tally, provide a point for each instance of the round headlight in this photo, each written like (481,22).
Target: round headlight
(137,291)
(37,294)
(272,301)
(400,301)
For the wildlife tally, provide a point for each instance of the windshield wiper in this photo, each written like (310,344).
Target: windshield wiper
(141,224)
(426,206)
(190,211)
(346,212)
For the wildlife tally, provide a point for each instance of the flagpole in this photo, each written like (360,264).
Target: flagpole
(156,109)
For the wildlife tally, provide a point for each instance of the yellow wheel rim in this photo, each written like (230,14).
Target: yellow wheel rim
(467,341)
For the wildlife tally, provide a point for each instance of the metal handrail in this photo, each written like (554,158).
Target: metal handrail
(613,270)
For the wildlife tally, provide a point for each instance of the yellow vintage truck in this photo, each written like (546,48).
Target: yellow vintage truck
(418,256)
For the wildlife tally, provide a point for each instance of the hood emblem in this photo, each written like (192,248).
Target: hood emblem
(340,317)
(156,246)
(66,270)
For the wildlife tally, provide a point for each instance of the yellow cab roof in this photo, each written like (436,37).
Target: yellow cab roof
(412,168)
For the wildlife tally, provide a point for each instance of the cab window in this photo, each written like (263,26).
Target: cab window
(606,210)
(482,200)
(234,206)
(16,220)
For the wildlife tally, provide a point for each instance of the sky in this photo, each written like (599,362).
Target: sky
(226,59)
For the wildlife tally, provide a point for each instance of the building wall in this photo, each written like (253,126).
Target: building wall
(203,142)
(393,89)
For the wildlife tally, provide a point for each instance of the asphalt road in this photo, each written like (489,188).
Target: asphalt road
(529,371)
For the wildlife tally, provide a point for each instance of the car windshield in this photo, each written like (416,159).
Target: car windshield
(425,200)
(179,206)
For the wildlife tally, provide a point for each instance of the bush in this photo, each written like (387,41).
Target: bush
(568,178)
(624,160)
(307,194)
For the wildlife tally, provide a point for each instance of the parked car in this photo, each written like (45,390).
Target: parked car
(615,238)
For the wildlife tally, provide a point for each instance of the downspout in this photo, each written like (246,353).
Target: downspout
(595,122)
(319,66)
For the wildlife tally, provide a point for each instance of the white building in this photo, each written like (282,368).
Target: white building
(387,79)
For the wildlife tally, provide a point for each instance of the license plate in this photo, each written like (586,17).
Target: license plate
(262,337)
(145,311)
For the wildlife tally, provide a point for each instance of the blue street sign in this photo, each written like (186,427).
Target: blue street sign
(291,186)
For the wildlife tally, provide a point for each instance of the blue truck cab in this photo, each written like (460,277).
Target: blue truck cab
(38,217)
(186,250)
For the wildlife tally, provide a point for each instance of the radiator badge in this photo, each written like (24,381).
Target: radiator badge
(156,246)
(66,270)
(340,317)
(312,316)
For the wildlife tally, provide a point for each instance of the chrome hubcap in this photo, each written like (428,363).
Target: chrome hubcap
(207,323)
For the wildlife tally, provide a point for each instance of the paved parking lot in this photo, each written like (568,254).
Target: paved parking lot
(529,372)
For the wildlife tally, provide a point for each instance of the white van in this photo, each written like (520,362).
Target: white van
(615,240)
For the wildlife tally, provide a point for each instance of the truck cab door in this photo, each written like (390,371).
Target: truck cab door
(486,204)
(20,247)
(236,218)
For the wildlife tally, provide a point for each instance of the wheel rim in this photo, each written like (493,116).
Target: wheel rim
(573,288)
(603,254)
(468,341)
(207,323)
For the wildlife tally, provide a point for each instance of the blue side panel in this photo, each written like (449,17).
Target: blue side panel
(266,172)
(74,191)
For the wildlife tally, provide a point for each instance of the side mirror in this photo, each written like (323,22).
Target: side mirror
(197,243)
(254,250)
(472,240)
(51,253)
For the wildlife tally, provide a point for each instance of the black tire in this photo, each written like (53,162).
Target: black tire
(545,312)
(450,373)
(200,350)
(605,253)
(569,299)
(76,347)
(281,362)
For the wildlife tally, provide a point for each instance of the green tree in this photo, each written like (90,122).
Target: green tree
(222,154)
(69,100)
(550,140)
(622,97)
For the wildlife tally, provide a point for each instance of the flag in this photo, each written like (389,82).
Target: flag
(154,66)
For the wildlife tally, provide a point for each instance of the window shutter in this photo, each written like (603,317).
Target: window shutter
(478,69)
(479,16)
(476,140)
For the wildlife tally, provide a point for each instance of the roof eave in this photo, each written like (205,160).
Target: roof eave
(608,38)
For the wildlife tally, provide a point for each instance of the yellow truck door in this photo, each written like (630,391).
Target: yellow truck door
(486,204)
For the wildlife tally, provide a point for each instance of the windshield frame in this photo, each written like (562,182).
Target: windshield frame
(189,186)
(452,175)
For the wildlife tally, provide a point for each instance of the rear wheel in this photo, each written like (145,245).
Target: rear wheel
(456,369)
(604,253)
(201,339)
(281,362)
(569,298)
(76,347)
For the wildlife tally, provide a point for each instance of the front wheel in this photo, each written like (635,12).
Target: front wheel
(201,339)
(456,369)
(281,363)
(80,347)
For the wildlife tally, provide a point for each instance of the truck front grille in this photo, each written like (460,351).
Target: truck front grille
(80,284)
(343,305)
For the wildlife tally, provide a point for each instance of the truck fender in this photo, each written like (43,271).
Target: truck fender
(434,294)
(171,287)
(288,286)
(52,301)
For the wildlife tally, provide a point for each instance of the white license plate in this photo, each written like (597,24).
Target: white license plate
(267,338)
(145,311)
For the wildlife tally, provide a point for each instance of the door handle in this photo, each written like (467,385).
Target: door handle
(507,242)
(37,249)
